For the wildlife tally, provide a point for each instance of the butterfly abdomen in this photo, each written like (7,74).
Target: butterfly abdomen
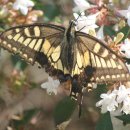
(67,55)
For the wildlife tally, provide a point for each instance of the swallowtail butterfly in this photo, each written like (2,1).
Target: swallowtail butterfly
(67,54)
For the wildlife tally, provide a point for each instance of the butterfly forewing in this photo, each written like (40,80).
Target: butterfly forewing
(33,41)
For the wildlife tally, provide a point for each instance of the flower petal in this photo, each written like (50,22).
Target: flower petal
(51,85)
(24,10)
(100,33)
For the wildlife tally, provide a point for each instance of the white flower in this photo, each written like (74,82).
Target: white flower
(51,86)
(122,93)
(126,105)
(108,102)
(118,98)
(100,33)
(126,14)
(125,48)
(123,96)
(85,23)
(23,5)
(128,66)
(82,5)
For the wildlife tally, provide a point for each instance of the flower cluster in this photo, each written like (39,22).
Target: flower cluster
(112,99)
(18,12)
(93,23)
(23,6)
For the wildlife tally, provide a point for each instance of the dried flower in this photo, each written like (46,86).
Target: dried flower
(32,17)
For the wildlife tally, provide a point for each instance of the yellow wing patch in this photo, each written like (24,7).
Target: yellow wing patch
(27,32)
(37,31)
(26,42)
(79,60)
(38,44)
(33,43)
(46,46)
(16,37)
(97,48)
(56,54)
(86,58)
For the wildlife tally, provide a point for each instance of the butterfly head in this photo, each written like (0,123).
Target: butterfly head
(73,23)
(70,30)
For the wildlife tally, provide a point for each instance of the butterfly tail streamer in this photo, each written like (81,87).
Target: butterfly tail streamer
(76,94)
(80,104)
(0,42)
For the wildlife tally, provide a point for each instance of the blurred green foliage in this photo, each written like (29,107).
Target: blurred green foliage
(126,31)
(25,119)
(64,109)
(18,63)
(125,118)
(108,30)
(104,122)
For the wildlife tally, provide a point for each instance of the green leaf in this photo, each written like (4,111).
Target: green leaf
(127,61)
(38,5)
(104,122)
(109,31)
(125,118)
(101,88)
(1,29)
(18,63)
(51,11)
(27,117)
(64,110)
(126,31)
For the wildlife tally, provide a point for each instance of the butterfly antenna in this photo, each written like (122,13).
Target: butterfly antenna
(78,16)
(82,28)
